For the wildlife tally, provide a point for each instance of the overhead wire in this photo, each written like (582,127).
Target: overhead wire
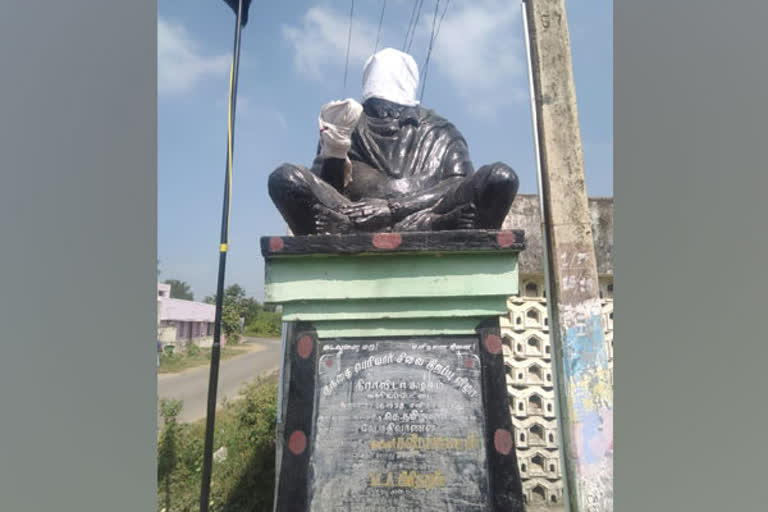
(410,24)
(429,50)
(442,17)
(349,42)
(381,20)
(415,24)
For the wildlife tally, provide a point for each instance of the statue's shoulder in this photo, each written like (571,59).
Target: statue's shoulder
(431,119)
(429,116)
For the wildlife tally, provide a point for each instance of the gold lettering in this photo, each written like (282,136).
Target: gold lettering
(427,443)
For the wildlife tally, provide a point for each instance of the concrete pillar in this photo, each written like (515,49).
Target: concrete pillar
(585,394)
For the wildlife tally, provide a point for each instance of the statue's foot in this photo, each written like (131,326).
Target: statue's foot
(468,217)
(330,222)
(463,217)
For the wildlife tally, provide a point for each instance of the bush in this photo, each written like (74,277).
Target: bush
(244,482)
(193,350)
(265,323)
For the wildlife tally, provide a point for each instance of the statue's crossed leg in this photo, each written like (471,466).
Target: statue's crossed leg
(312,206)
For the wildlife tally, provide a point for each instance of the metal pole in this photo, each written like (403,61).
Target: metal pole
(223,247)
(582,376)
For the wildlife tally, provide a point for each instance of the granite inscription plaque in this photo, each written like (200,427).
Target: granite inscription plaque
(399,426)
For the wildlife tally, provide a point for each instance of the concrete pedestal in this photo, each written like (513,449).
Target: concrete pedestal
(393,384)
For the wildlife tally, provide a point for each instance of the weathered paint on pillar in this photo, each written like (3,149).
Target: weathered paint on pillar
(585,393)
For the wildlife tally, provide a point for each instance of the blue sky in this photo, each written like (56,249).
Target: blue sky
(292,62)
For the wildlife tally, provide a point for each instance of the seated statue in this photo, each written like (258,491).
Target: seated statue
(390,165)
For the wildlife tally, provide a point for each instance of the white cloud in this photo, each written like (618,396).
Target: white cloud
(479,52)
(281,120)
(320,44)
(180,65)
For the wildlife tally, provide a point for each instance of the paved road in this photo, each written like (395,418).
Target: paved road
(263,357)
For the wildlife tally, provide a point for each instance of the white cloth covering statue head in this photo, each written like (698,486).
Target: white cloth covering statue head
(391,75)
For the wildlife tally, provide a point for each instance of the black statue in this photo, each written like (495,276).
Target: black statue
(390,165)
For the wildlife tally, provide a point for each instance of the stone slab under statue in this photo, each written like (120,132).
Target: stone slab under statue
(393,384)
(390,165)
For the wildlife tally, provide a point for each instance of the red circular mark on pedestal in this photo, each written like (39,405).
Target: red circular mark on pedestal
(297,443)
(502,441)
(468,363)
(304,346)
(387,240)
(493,344)
(276,244)
(506,238)
(329,362)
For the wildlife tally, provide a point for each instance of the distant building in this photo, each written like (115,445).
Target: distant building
(183,322)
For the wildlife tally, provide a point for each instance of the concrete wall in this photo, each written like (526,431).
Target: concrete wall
(526,215)
(167,336)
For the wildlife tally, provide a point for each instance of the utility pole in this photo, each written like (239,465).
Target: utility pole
(240,8)
(584,385)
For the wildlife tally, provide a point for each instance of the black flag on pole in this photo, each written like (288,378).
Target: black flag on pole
(246,5)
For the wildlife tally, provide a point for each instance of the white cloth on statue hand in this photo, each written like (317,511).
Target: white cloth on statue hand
(337,120)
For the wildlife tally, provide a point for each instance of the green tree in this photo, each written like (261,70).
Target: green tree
(180,289)
(234,294)
(250,309)
(230,322)
(236,305)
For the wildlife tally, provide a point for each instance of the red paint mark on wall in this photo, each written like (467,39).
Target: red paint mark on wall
(276,244)
(502,441)
(297,443)
(304,346)
(387,240)
(506,238)
(493,344)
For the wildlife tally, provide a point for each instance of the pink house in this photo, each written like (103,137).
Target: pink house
(181,322)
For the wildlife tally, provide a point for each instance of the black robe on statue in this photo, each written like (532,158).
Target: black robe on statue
(408,162)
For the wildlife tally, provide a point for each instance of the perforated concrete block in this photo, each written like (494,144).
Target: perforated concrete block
(539,463)
(529,372)
(530,343)
(541,492)
(533,401)
(535,433)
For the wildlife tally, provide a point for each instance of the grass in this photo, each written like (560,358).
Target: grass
(244,481)
(193,357)
(266,324)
